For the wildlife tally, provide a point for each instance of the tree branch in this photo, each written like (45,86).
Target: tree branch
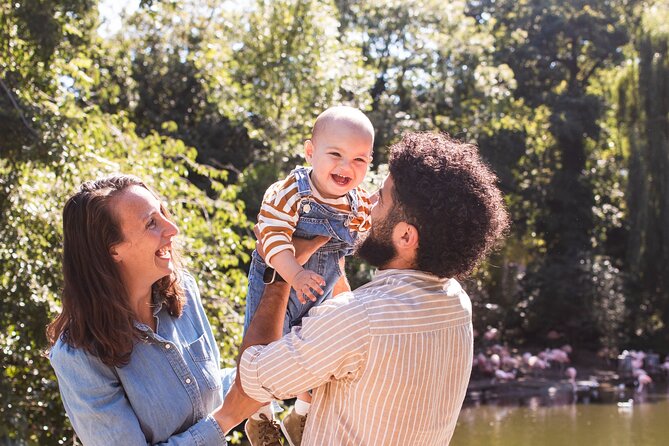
(584,81)
(18,109)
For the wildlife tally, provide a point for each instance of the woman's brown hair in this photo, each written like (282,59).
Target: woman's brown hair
(96,314)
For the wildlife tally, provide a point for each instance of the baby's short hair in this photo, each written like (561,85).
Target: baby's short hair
(342,114)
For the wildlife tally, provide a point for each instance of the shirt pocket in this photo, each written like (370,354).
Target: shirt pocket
(202,357)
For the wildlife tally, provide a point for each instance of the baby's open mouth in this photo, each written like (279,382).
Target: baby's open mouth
(340,179)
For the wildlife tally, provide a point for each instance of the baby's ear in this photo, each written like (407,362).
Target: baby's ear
(308,150)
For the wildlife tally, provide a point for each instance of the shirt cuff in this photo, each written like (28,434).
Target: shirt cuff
(207,432)
(276,250)
(248,373)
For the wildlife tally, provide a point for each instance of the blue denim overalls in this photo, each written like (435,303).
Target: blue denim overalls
(314,219)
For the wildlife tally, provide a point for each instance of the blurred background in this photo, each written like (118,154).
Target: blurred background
(210,101)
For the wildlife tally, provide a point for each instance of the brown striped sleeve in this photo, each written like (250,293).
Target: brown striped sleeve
(363,221)
(278,217)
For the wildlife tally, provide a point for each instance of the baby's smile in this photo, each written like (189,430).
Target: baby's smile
(340,179)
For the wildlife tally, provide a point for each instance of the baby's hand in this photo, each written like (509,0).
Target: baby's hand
(305,283)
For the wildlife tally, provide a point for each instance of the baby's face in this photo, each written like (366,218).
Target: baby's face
(340,156)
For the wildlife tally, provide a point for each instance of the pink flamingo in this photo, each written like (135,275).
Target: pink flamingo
(504,376)
(571,375)
(643,380)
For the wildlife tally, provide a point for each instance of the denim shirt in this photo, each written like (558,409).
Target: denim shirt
(164,395)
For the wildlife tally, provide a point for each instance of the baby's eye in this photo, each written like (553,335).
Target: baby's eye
(361,160)
(335,154)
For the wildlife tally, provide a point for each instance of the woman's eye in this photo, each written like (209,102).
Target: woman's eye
(151,223)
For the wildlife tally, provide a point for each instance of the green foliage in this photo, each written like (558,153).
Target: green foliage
(61,139)
(289,66)
(432,65)
(555,50)
(213,239)
(642,113)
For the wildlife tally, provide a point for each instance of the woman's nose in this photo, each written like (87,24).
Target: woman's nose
(171,229)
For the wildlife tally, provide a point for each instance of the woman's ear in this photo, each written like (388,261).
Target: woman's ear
(115,254)
(308,150)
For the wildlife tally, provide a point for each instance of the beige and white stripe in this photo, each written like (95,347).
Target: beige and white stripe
(388,363)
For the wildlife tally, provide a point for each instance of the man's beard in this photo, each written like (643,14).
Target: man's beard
(377,247)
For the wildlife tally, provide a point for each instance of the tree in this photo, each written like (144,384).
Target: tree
(555,49)
(643,111)
(60,138)
(433,67)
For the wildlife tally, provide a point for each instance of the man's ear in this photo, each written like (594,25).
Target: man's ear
(308,150)
(405,236)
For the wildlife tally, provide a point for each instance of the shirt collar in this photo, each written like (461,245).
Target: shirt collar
(158,301)
(423,275)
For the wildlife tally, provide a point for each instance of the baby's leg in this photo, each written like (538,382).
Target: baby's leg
(255,289)
(306,397)
(294,423)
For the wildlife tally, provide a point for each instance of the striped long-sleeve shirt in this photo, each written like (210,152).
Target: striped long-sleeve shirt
(279,214)
(388,363)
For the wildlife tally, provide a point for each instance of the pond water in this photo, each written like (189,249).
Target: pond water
(642,423)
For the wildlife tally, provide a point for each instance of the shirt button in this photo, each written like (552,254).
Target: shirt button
(187,380)
(168,346)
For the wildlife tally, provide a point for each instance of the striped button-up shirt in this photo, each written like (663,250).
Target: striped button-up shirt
(388,363)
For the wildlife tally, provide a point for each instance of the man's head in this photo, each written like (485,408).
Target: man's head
(439,209)
(340,150)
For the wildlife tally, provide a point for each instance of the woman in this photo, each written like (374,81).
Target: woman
(133,351)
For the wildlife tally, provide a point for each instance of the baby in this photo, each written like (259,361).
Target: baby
(325,199)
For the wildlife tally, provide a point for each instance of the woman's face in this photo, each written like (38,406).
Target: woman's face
(145,254)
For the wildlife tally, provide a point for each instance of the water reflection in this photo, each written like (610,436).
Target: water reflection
(512,417)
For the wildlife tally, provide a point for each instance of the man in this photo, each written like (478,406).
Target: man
(390,362)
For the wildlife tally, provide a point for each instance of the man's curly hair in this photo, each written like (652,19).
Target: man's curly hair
(444,189)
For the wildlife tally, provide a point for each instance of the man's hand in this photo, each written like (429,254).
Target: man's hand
(236,407)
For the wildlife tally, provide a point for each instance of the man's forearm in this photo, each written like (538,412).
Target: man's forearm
(236,407)
(266,327)
(267,323)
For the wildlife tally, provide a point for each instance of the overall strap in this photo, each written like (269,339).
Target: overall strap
(354,201)
(302,177)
